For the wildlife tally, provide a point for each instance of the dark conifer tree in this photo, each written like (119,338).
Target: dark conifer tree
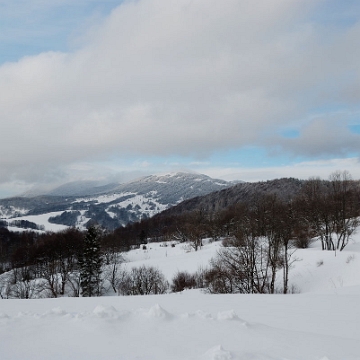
(91,263)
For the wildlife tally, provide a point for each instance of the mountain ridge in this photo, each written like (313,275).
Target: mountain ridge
(284,188)
(118,205)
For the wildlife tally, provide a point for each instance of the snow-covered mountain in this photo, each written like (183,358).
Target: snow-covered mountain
(111,205)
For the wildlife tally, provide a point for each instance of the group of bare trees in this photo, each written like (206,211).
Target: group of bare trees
(258,245)
(76,264)
(43,265)
(262,235)
(331,209)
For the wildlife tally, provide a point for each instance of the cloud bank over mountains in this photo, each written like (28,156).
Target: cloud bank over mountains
(186,78)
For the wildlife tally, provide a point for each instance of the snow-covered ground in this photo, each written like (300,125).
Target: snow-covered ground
(322,322)
(145,204)
(42,220)
(170,260)
(148,206)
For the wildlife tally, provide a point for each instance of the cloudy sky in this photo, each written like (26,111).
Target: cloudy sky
(236,89)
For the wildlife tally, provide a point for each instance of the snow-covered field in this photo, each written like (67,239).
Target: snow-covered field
(42,220)
(322,322)
(145,204)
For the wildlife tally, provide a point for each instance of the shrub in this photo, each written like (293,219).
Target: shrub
(143,280)
(183,280)
(227,242)
(218,279)
(200,278)
(302,242)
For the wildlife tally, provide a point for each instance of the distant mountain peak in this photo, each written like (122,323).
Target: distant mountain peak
(111,205)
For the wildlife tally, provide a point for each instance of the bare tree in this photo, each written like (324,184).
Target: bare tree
(25,286)
(317,210)
(50,273)
(241,267)
(142,280)
(112,269)
(345,199)
(74,281)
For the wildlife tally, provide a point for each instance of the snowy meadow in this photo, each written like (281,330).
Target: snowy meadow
(319,321)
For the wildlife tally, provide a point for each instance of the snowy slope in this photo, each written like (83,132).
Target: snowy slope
(320,323)
(313,270)
(170,260)
(112,205)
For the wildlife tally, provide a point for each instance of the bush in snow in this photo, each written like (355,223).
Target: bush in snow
(143,280)
(183,280)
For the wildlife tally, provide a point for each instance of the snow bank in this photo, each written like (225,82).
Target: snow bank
(190,325)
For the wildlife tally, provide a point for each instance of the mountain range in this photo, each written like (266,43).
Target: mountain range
(111,205)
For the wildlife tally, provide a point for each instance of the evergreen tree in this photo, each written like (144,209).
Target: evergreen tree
(91,263)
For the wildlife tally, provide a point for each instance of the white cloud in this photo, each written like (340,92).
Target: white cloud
(302,170)
(179,77)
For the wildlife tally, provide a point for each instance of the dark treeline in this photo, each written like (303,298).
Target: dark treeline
(259,237)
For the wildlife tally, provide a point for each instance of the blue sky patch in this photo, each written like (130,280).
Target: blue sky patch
(290,133)
(355,128)
(30,30)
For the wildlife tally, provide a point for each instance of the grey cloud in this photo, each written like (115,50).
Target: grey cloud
(324,136)
(178,77)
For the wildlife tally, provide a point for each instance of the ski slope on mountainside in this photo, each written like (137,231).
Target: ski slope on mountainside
(319,323)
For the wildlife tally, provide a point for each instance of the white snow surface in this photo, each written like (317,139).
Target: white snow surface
(322,322)
(43,220)
(143,203)
(169,259)
(104,198)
